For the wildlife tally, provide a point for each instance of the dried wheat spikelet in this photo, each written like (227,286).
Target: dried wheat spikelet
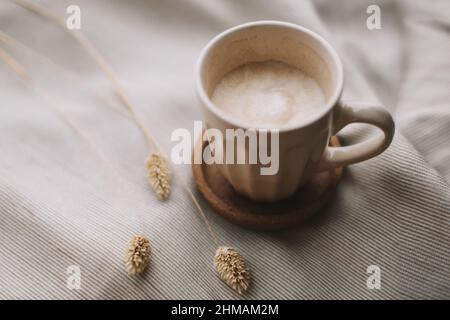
(232,269)
(138,255)
(159,174)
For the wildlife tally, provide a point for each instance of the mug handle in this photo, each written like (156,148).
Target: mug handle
(352,112)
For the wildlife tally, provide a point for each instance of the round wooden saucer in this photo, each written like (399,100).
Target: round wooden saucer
(265,216)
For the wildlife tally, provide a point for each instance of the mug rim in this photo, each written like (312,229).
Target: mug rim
(240,124)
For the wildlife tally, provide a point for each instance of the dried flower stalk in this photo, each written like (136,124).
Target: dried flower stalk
(232,269)
(159,174)
(140,246)
(229,264)
(138,255)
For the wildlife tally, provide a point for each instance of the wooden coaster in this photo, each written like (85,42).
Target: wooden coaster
(265,216)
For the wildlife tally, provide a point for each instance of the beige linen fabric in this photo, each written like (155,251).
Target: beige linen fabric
(60,205)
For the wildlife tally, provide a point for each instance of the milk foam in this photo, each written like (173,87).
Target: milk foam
(268,94)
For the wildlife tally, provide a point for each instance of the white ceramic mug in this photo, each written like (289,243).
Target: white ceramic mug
(303,148)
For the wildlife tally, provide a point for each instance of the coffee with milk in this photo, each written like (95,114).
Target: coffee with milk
(268,94)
